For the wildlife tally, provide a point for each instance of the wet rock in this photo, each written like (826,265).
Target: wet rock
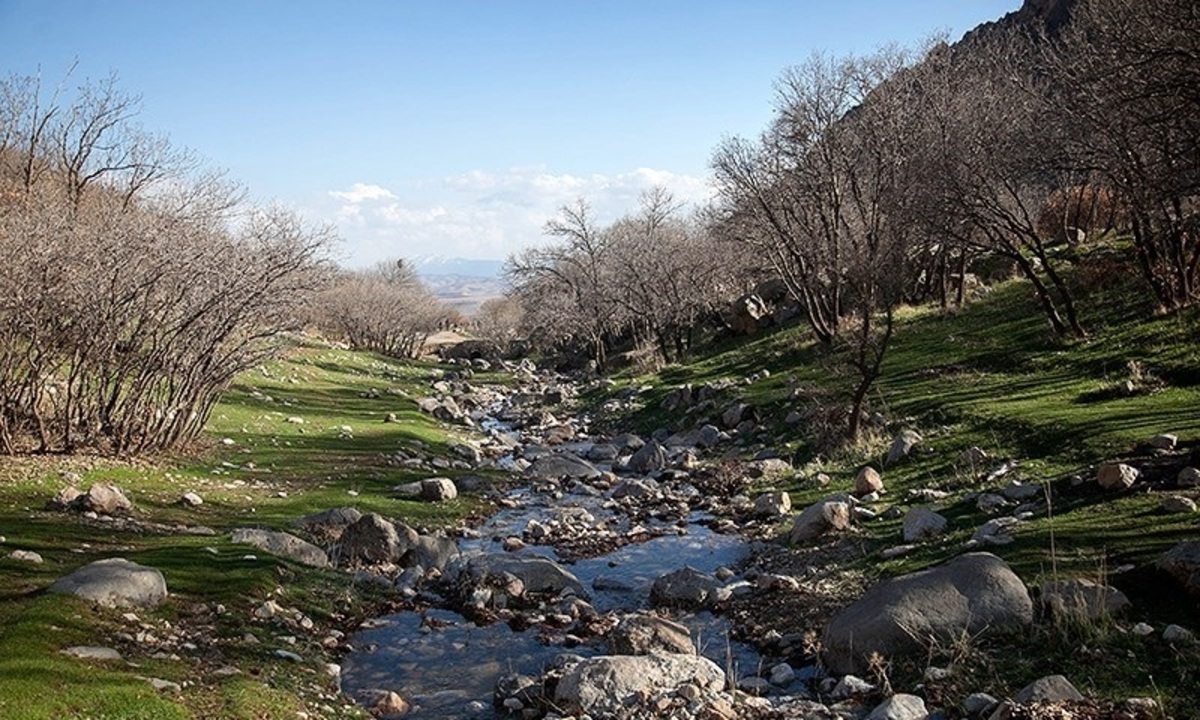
(775,504)
(651,458)
(900,707)
(685,588)
(375,539)
(562,465)
(281,544)
(537,575)
(782,675)
(867,481)
(1116,476)
(824,516)
(431,551)
(438,489)
(605,686)
(115,582)
(387,705)
(515,692)
(970,593)
(1082,598)
(643,634)
(921,523)
(603,453)
(902,446)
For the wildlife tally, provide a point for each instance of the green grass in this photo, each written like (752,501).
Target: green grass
(273,472)
(992,376)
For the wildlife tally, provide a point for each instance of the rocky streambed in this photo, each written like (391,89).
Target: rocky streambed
(605,549)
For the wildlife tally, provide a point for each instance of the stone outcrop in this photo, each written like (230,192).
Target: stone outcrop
(970,593)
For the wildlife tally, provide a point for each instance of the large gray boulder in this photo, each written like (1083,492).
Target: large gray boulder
(605,686)
(897,617)
(650,458)
(685,588)
(115,582)
(282,544)
(902,445)
(105,499)
(438,489)
(375,539)
(643,634)
(562,465)
(537,575)
(431,551)
(832,514)
(923,522)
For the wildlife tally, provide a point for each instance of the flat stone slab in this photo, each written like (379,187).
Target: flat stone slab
(282,544)
(114,582)
(89,652)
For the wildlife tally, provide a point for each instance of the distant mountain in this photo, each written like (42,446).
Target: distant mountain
(435,265)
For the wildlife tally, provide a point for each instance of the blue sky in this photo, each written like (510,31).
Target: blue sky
(456,128)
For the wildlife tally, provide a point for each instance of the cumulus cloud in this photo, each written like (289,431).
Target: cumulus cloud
(480,214)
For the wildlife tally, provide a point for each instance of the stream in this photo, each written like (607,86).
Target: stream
(446,666)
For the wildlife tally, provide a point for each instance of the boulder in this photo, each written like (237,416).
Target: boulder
(283,545)
(328,525)
(1164,442)
(708,436)
(92,652)
(438,489)
(115,582)
(375,539)
(746,315)
(643,634)
(1188,477)
(968,594)
(650,458)
(902,445)
(431,551)
(685,588)
(103,499)
(603,453)
(824,516)
(867,481)
(1183,563)
(921,523)
(1082,598)
(1178,505)
(735,414)
(537,575)
(774,504)
(562,465)
(900,707)
(1052,688)
(605,686)
(1116,476)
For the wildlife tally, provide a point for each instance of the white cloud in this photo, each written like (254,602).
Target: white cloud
(361,192)
(480,214)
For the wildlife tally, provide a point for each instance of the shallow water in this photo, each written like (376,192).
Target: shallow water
(443,666)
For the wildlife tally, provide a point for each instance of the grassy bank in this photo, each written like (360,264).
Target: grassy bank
(991,376)
(296,436)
